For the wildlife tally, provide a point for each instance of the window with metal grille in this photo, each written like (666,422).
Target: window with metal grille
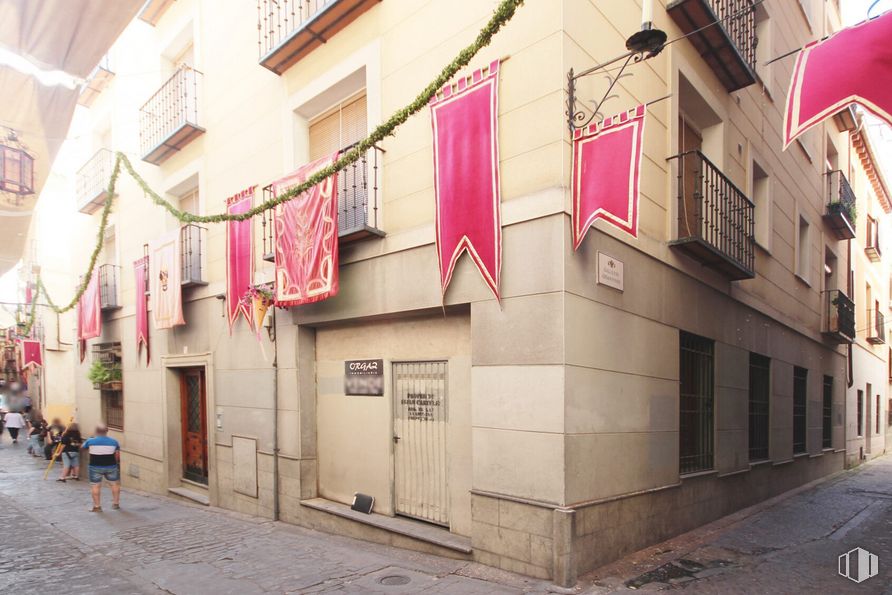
(877,416)
(860,405)
(113,408)
(800,406)
(696,403)
(759,405)
(827,411)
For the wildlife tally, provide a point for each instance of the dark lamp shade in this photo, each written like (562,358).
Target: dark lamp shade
(16,171)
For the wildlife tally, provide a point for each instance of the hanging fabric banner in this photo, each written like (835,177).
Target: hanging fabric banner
(852,66)
(239,258)
(307,239)
(606,173)
(31,354)
(89,316)
(141,274)
(464,117)
(166,285)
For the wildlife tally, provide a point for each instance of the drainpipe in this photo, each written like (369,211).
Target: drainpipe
(275,419)
(849,370)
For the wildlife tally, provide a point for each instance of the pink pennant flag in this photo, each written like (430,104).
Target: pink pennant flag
(141,273)
(31,354)
(239,258)
(464,117)
(167,287)
(307,238)
(852,66)
(606,173)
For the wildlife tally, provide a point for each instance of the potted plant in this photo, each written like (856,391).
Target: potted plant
(260,298)
(99,374)
(116,379)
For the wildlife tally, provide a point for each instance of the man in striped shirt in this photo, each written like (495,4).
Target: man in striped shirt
(105,459)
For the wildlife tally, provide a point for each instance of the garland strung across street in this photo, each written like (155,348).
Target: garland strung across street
(502,14)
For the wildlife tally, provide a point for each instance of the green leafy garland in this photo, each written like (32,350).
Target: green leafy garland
(502,14)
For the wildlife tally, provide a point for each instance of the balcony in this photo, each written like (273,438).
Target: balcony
(192,242)
(288,30)
(108,287)
(716,222)
(840,215)
(91,184)
(357,203)
(839,317)
(168,121)
(728,47)
(876,327)
(97,81)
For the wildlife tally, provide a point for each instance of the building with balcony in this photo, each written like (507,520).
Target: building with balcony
(577,422)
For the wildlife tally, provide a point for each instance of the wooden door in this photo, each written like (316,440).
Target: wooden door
(689,139)
(419,427)
(193,400)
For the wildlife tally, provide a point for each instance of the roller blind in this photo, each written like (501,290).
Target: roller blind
(338,128)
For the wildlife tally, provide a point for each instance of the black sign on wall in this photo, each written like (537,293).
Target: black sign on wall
(364,377)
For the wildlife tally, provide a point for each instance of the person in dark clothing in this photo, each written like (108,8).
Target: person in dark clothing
(53,436)
(71,449)
(36,432)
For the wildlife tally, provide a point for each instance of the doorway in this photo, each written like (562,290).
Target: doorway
(419,436)
(193,408)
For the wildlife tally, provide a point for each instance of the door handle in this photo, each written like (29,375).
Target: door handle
(396,439)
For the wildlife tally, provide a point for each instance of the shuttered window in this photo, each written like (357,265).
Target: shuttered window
(340,127)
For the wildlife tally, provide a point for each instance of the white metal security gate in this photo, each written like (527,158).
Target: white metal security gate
(419,435)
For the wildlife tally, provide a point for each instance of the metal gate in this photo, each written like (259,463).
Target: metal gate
(419,435)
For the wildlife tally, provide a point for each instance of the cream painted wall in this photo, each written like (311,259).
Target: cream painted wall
(355,432)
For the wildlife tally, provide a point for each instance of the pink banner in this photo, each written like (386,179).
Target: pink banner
(852,66)
(307,239)
(464,116)
(141,273)
(89,308)
(166,286)
(606,173)
(239,258)
(31,354)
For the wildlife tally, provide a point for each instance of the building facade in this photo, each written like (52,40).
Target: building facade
(546,433)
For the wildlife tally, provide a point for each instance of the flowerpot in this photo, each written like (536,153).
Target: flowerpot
(260,306)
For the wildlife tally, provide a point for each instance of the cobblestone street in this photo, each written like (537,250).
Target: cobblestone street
(158,545)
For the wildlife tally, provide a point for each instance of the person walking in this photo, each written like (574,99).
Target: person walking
(14,423)
(105,459)
(52,437)
(71,449)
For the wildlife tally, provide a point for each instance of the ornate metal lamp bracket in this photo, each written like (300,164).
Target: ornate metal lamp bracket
(641,46)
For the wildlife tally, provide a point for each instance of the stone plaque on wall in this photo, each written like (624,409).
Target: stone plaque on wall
(364,377)
(610,271)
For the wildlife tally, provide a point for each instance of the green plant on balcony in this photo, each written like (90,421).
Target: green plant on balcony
(849,210)
(105,376)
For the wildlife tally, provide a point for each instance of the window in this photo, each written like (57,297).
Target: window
(760,197)
(809,12)
(800,407)
(759,406)
(189,202)
(804,252)
(696,403)
(113,408)
(827,411)
(872,246)
(764,52)
(860,405)
(889,412)
(877,416)
(339,127)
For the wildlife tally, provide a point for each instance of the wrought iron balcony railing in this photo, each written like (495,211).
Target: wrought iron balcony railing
(840,317)
(169,121)
(288,30)
(91,183)
(876,327)
(357,202)
(716,221)
(192,242)
(108,287)
(724,33)
(841,206)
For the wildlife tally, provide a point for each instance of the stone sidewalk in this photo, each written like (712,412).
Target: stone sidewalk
(51,544)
